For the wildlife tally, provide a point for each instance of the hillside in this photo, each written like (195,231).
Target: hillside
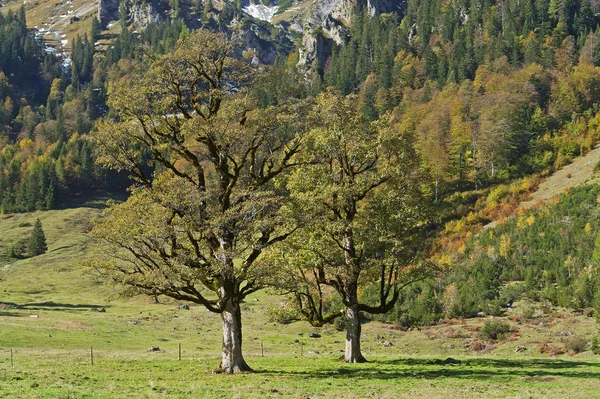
(581,171)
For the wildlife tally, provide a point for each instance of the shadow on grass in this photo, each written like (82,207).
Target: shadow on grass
(473,369)
(11,314)
(93,199)
(49,305)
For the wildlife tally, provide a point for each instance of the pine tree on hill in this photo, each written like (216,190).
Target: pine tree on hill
(36,245)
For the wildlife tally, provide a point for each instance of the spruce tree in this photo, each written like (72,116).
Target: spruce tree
(36,245)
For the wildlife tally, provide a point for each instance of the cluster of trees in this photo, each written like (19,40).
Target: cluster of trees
(20,58)
(47,109)
(44,157)
(233,183)
(553,251)
(424,106)
(38,177)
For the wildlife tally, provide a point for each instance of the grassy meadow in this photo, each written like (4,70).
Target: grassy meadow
(51,313)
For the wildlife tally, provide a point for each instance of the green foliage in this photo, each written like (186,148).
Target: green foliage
(527,311)
(36,243)
(509,293)
(20,55)
(594,345)
(551,252)
(283,313)
(494,329)
(186,130)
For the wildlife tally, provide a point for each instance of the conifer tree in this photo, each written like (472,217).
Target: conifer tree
(36,245)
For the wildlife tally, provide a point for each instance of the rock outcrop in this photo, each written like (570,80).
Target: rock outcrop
(108,10)
(144,14)
(327,22)
(322,24)
(141,13)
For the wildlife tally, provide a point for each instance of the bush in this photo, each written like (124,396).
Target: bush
(340,324)
(576,344)
(283,314)
(595,346)
(494,329)
(511,292)
(527,311)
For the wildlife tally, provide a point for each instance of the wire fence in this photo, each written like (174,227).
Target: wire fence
(91,355)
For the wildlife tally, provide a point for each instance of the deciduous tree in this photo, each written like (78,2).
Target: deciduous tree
(195,228)
(360,201)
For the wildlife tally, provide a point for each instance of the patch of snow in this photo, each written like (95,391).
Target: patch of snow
(67,62)
(260,11)
(64,42)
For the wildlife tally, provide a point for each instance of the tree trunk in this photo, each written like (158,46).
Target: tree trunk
(232,360)
(353,354)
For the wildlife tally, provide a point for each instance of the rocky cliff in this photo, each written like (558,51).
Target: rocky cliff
(325,22)
(141,13)
(266,27)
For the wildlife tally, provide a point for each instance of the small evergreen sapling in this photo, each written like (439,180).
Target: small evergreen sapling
(36,245)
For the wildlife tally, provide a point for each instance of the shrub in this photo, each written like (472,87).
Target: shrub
(494,329)
(340,324)
(283,314)
(576,344)
(595,346)
(496,195)
(527,311)
(597,167)
(511,292)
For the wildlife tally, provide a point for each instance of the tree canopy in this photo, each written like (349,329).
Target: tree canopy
(205,207)
(362,207)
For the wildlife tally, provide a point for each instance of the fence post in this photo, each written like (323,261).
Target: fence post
(262,350)
(179,355)
(11,357)
(91,356)
(301,348)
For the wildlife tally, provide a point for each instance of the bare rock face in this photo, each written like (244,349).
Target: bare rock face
(141,13)
(108,10)
(327,23)
(265,51)
(144,14)
(314,51)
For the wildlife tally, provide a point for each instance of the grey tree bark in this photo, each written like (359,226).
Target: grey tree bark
(232,360)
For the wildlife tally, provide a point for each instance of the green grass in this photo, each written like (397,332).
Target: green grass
(37,376)
(49,316)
